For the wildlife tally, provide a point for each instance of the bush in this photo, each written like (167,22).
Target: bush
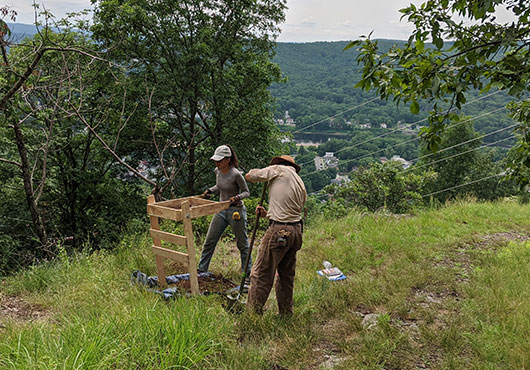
(377,186)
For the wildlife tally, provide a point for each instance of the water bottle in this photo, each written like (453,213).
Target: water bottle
(327,264)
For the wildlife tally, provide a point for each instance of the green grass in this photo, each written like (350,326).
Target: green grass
(444,295)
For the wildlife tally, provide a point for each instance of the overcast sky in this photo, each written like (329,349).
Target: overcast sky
(307,20)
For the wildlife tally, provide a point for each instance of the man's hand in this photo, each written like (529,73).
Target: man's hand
(206,194)
(260,210)
(233,200)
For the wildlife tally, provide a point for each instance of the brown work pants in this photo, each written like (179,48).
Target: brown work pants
(275,259)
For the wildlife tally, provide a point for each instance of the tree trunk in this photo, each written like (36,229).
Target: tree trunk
(191,157)
(38,225)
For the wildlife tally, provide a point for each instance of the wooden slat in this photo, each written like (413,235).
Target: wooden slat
(160,269)
(171,254)
(209,209)
(174,203)
(200,201)
(177,203)
(164,212)
(188,231)
(168,237)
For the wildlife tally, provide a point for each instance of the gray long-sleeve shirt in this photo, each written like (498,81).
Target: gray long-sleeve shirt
(230,184)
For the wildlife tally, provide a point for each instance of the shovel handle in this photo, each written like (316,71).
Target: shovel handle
(252,239)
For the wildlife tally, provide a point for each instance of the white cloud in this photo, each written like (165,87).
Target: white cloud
(306,20)
(59,8)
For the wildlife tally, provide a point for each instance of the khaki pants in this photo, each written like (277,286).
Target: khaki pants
(275,257)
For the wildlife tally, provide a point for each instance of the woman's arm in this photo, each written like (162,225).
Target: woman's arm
(243,188)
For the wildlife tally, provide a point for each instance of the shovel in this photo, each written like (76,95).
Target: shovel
(235,303)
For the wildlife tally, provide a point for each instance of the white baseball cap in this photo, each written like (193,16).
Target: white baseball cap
(221,152)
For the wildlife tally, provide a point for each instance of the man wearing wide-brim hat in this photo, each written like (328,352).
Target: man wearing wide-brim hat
(283,238)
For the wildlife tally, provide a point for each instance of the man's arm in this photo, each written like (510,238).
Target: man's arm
(262,174)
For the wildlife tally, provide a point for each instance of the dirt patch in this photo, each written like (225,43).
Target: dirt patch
(15,308)
(461,259)
(493,241)
(212,284)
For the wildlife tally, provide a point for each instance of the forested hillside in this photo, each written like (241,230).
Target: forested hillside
(320,79)
(319,94)
(319,82)
(91,134)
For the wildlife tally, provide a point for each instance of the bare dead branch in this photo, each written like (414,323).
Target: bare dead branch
(29,70)
(155,142)
(105,145)
(121,115)
(11,162)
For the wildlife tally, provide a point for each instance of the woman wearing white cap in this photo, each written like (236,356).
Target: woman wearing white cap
(230,185)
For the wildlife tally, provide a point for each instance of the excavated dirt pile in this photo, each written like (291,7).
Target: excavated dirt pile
(213,284)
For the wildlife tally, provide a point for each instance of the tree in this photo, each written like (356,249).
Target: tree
(201,69)
(484,55)
(462,159)
(56,89)
(17,79)
(382,186)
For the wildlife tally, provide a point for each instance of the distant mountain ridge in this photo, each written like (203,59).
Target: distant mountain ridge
(320,93)
(19,31)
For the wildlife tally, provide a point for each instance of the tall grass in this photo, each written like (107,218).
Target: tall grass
(151,335)
(499,309)
(406,270)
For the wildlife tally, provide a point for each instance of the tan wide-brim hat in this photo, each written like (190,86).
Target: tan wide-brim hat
(285,159)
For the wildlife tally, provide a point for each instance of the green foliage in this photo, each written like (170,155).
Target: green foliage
(484,55)
(79,193)
(381,186)
(461,160)
(518,158)
(319,85)
(177,80)
(199,71)
(316,180)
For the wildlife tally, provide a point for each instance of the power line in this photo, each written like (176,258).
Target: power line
(466,142)
(338,114)
(397,129)
(410,140)
(457,154)
(467,183)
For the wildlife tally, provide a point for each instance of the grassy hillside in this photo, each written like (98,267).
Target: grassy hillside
(445,288)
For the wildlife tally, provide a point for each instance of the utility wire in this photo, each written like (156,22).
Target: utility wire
(456,155)
(397,129)
(413,139)
(467,183)
(466,142)
(338,114)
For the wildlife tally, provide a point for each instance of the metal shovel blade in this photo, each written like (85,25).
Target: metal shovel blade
(235,302)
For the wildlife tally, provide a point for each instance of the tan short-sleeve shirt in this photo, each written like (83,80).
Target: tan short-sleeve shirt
(287,194)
